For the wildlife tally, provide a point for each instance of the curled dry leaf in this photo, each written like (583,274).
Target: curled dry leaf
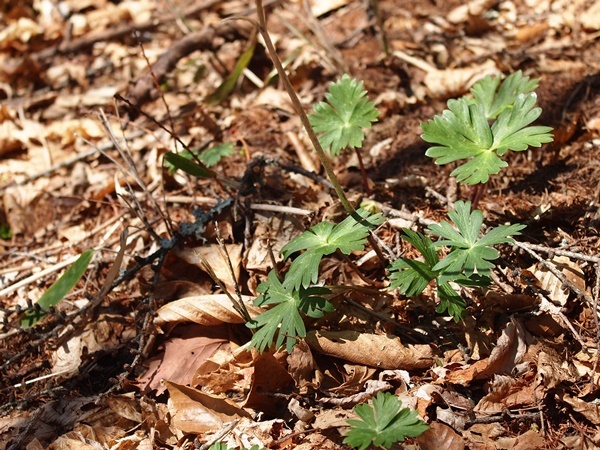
(454,82)
(450,82)
(507,353)
(193,411)
(550,283)
(213,254)
(374,350)
(209,310)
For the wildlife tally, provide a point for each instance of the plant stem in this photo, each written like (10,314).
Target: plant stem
(325,161)
(476,194)
(363,172)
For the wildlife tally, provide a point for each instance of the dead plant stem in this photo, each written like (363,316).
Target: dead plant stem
(325,161)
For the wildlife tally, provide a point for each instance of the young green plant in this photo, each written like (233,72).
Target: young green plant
(383,424)
(484,127)
(296,296)
(341,121)
(468,262)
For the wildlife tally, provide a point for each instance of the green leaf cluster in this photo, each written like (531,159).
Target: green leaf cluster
(340,121)
(284,319)
(383,424)
(467,263)
(463,131)
(323,239)
(295,297)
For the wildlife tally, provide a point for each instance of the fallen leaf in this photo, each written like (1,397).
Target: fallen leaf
(187,347)
(208,310)
(550,282)
(193,411)
(380,351)
(440,436)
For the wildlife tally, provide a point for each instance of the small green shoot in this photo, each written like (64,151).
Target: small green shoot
(383,424)
(324,239)
(185,160)
(58,290)
(5,232)
(232,79)
(214,155)
(463,130)
(295,295)
(176,161)
(285,319)
(343,117)
(468,262)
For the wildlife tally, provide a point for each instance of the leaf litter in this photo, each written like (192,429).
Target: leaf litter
(161,359)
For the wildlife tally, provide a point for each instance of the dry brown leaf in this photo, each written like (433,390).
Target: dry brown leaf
(209,310)
(550,371)
(272,229)
(301,366)
(463,12)
(19,32)
(549,282)
(589,410)
(213,254)
(333,418)
(508,352)
(506,392)
(380,351)
(455,82)
(126,406)
(105,333)
(440,436)
(188,347)
(590,19)
(269,376)
(368,391)
(193,411)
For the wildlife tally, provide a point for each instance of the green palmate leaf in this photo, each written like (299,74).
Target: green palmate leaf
(412,277)
(470,254)
(284,319)
(463,132)
(383,424)
(341,121)
(323,239)
(58,290)
(213,155)
(450,302)
(510,129)
(209,158)
(494,100)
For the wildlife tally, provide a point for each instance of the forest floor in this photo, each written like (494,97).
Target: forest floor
(147,351)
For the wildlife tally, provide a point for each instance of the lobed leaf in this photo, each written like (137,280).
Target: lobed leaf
(341,121)
(462,131)
(411,277)
(494,101)
(470,254)
(284,319)
(383,424)
(323,239)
